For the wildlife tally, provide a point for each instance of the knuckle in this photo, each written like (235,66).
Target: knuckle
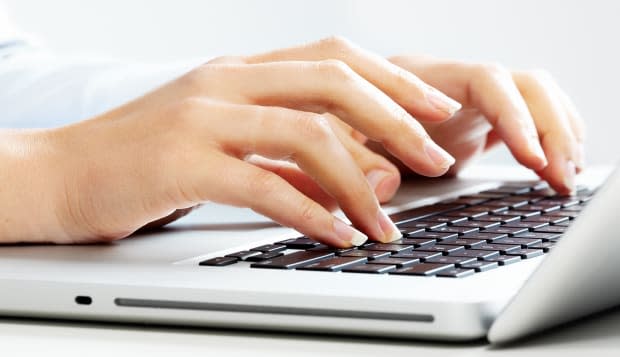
(335,44)
(315,128)
(307,212)
(491,71)
(334,69)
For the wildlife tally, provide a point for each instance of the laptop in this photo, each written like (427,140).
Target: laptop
(480,256)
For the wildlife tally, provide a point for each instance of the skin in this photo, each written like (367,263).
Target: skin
(255,131)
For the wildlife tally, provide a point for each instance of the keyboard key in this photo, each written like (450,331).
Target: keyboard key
(478,224)
(369,254)
(264,256)
(539,235)
(526,253)
(457,230)
(502,248)
(270,248)
(547,219)
(450,260)
(421,224)
(519,213)
(300,243)
(447,219)
(333,264)
(545,246)
(466,214)
(439,236)
(528,225)
(469,201)
(506,230)
(480,265)
(370,268)
(406,231)
(439,248)
(505,259)
(293,260)
(524,242)
(426,269)
(338,251)
(399,262)
(561,213)
(477,254)
(417,255)
(551,229)
(468,243)
(489,237)
(219,261)
(417,242)
(387,247)
(243,255)
(456,273)
(501,219)
(423,212)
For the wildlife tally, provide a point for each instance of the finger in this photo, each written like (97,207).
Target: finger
(297,178)
(307,139)
(382,175)
(331,86)
(558,139)
(491,90)
(417,97)
(245,185)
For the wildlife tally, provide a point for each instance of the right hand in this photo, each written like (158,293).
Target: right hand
(196,139)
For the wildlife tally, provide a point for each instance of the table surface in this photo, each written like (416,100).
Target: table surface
(598,334)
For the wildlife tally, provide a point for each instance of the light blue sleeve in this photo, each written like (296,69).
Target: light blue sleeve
(39,90)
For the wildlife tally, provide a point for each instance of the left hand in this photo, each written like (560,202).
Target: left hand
(502,105)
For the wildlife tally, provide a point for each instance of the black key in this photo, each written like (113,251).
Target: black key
(439,236)
(501,219)
(477,224)
(426,269)
(243,255)
(526,253)
(537,208)
(469,201)
(468,243)
(406,231)
(423,212)
(545,246)
(447,219)
(524,242)
(506,203)
(577,208)
(417,242)
(300,243)
(562,213)
(477,254)
(528,225)
(264,256)
(563,224)
(450,260)
(537,235)
(387,247)
(421,224)
(509,190)
(293,260)
(338,251)
(489,237)
(502,248)
(399,262)
(467,214)
(417,255)
(333,264)
(219,261)
(370,268)
(270,248)
(456,273)
(505,259)
(518,213)
(551,229)
(440,248)
(486,195)
(369,254)
(547,219)
(457,230)
(506,230)
(480,265)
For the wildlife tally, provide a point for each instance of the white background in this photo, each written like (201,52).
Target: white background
(577,41)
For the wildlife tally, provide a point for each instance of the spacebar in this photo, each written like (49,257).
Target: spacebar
(424,211)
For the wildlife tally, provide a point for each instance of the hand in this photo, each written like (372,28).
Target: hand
(524,109)
(197,139)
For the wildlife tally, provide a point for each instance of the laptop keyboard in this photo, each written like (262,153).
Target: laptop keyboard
(456,238)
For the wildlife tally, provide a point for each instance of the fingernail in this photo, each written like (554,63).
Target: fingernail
(438,156)
(569,176)
(441,101)
(390,231)
(374,178)
(349,234)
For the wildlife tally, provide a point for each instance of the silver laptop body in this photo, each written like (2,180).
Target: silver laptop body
(155,278)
